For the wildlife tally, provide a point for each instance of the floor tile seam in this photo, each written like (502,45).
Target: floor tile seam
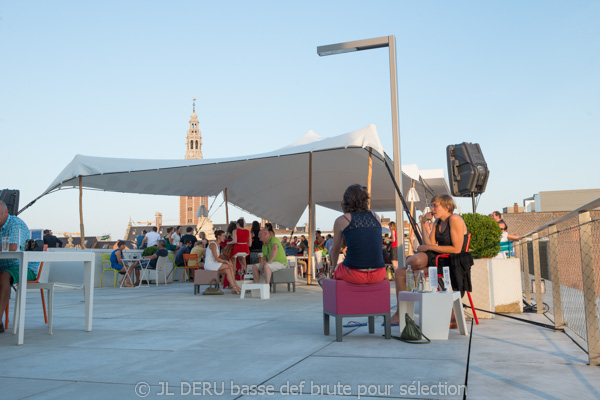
(387,358)
(517,362)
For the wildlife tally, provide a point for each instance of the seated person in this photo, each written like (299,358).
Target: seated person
(167,238)
(274,257)
(448,235)
(214,262)
(198,250)
(360,229)
(161,252)
(185,249)
(116,262)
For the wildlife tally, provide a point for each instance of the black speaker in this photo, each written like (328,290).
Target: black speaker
(11,198)
(467,169)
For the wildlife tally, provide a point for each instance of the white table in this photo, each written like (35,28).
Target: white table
(435,309)
(25,257)
(129,260)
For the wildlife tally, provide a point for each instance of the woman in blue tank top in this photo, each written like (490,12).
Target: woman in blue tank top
(361,230)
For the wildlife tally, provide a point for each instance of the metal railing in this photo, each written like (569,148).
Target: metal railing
(573,269)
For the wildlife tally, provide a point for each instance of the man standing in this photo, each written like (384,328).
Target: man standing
(140,239)
(51,240)
(189,236)
(151,237)
(497,217)
(329,243)
(274,254)
(17,232)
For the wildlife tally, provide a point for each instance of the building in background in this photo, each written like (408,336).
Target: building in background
(189,205)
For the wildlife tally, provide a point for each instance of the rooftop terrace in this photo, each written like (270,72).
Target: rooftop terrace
(216,344)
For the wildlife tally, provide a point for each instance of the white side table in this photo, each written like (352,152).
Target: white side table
(435,310)
(258,290)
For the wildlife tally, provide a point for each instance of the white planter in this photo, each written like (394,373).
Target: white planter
(497,286)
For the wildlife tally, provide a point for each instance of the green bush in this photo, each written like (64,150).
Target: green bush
(485,235)
(148,251)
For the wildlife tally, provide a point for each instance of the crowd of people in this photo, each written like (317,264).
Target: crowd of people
(357,234)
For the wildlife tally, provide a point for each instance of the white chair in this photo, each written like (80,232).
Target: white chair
(161,273)
(49,287)
(292,262)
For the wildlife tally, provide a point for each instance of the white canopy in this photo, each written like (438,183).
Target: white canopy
(271,185)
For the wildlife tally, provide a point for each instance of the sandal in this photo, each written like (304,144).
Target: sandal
(237,290)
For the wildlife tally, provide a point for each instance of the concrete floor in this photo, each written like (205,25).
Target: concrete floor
(166,342)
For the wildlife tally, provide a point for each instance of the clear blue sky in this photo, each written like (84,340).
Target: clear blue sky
(116,79)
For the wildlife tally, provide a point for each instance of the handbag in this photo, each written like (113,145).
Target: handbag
(213,290)
(412,333)
(227,252)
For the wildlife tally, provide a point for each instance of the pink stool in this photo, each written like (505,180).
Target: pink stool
(342,299)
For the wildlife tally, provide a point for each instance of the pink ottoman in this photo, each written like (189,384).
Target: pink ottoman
(342,299)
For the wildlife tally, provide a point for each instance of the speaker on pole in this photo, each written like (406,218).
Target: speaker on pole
(467,170)
(11,199)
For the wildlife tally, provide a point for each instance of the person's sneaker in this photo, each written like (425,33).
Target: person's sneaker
(1,327)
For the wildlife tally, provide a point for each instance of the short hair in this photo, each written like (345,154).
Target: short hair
(318,232)
(241,222)
(46,231)
(446,201)
(162,242)
(188,241)
(155,229)
(497,214)
(355,199)
(392,225)
(144,231)
(219,232)
(120,243)
(179,226)
(189,229)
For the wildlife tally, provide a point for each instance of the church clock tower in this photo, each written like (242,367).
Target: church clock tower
(188,205)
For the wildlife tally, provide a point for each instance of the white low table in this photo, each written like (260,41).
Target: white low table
(435,310)
(261,290)
(25,257)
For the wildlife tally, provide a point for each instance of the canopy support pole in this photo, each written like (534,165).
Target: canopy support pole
(311,222)
(226,208)
(370,174)
(81,213)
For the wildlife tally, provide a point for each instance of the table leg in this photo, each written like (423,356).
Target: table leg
(23,263)
(89,293)
(459,314)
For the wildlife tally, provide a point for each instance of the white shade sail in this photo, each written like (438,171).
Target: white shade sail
(271,185)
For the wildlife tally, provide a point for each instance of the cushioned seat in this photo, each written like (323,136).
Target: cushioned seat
(342,299)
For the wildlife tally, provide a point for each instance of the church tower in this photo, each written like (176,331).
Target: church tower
(188,205)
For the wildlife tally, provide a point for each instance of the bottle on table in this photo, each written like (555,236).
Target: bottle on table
(410,279)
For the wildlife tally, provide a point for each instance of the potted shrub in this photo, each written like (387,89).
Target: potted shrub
(485,235)
(496,282)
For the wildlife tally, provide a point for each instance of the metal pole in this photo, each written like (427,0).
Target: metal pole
(226,208)
(525,263)
(396,144)
(555,278)
(81,213)
(311,227)
(589,288)
(370,174)
(537,274)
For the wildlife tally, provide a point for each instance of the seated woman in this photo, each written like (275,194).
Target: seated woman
(361,230)
(116,262)
(241,244)
(449,235)
(214,262)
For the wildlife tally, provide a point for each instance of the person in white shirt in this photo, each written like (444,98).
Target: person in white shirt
(176,237)
(151,237)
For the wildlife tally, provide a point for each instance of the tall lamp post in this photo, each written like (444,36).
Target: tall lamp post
(376,43)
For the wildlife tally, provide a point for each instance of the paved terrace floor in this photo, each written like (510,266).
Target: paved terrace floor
(167,335)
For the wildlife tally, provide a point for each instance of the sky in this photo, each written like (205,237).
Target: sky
(117,79)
